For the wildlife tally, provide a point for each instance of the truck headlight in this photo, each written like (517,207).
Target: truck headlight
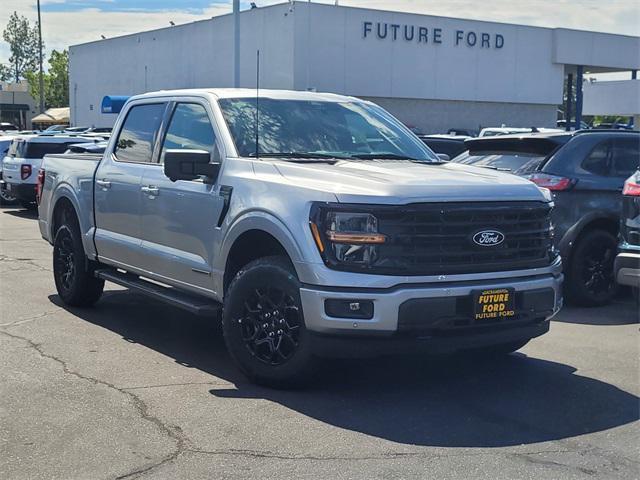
(347,237)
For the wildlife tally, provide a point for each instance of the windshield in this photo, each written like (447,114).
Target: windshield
(308,129)
(518,163)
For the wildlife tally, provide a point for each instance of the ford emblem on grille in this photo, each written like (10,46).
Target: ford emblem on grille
(488,238)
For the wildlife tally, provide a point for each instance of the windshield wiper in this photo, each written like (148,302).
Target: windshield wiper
(382,156)
(304,155)
(500,169)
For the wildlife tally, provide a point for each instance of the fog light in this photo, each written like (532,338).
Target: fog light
(351,308)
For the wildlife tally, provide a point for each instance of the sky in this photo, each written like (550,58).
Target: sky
(69,22)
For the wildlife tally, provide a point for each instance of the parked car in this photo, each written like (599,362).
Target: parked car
(21,164)
(450,145)
(6,198)
(586,171)
(56,128)
(6,127)
(497,131)
(627,264)
(562,124)
(612,126)
(333,231)
(76,129)
(90,147)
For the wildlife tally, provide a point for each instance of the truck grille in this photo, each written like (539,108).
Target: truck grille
(438,238)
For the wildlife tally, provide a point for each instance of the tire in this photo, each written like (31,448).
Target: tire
(72,273)
(263,325)
(499,350)
(590,276)
(6,199)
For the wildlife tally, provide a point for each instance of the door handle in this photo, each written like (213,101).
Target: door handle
(103,184)
(150,190)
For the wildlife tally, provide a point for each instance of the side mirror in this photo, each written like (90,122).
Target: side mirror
(189,164)
(443,156)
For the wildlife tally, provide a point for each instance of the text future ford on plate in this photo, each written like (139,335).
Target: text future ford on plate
(324,228)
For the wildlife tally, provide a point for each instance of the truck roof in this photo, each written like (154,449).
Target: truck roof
(251,93)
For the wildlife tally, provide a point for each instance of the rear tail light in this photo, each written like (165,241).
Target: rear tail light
(555,183)
(25,171)
(632,187)
(40,185)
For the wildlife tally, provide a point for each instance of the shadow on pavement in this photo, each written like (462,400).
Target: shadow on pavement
(21,213)
(444,402)
(625,309)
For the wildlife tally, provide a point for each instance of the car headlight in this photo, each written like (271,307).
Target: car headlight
(348,238)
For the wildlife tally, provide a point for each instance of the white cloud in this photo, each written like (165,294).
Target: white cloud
(61,29)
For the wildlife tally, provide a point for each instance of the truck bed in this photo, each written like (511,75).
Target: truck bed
(72,173)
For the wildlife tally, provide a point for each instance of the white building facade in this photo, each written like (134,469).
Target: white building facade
(433,73)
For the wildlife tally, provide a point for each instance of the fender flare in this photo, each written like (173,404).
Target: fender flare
(66,191)
(568,240)
(257,220)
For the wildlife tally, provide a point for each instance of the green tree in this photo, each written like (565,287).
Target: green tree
(23,45)
(56,81)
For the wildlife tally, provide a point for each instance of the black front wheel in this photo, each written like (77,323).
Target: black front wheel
(73,274)
(590,275)
(263,324)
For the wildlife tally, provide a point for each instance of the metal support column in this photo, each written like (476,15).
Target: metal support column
(567,112)
(236,43)
(579,96)
(634,74)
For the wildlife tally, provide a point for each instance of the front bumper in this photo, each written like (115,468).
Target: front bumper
(627,268)
(24,192)
(436,317)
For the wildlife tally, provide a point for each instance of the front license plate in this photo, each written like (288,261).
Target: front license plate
(494,304)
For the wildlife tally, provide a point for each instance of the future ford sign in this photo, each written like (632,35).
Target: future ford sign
(435,36)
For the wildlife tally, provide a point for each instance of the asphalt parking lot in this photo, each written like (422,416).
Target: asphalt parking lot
(134,389)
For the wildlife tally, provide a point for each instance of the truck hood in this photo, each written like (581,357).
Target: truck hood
(399,181)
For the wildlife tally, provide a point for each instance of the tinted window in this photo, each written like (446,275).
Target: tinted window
(450,147)
(518,163)
(40,149)
(4,147)
(189,128)
(599,160)
(137,137)
(626,156)
(340,129)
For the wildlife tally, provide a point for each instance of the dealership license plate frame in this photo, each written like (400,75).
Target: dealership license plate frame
(496,306)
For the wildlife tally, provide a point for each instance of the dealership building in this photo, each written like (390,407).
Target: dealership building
(434,73)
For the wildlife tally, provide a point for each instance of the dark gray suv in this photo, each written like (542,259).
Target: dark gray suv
(586,171)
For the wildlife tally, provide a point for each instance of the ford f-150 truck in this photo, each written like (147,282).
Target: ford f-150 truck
(311,224)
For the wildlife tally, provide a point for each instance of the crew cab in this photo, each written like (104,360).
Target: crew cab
(311,224)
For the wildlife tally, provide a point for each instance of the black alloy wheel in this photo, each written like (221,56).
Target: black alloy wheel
(64,263)
(73,273)
(270,325)
(263,324)
(590,276)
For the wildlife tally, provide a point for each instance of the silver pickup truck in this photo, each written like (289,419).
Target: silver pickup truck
(310,224)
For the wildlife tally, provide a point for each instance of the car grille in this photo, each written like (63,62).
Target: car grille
(437,238)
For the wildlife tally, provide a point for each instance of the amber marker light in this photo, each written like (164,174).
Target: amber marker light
(316,236)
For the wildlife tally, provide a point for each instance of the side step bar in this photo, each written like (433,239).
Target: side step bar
(191,303)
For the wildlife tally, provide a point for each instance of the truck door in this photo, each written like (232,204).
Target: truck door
(117,185)
(179,219)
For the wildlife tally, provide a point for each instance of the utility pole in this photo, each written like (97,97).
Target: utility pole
(236,43)
(41,79)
